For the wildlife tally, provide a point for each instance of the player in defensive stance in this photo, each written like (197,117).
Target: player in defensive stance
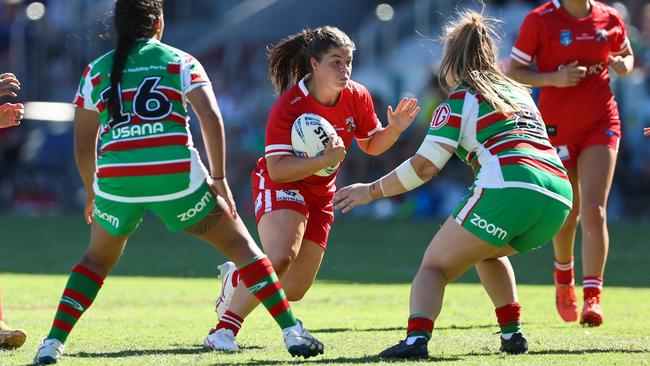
(519,199)
(134,99)
(293,207)
(574,43)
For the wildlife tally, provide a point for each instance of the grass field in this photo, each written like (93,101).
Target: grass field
(157,306)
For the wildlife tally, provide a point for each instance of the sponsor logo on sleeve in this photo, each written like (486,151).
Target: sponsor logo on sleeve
(440,117)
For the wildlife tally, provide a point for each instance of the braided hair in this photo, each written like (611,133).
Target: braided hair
(133,19)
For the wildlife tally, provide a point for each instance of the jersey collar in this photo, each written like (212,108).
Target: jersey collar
(302,86)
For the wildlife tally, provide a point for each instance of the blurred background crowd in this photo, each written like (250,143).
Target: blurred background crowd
(48,43)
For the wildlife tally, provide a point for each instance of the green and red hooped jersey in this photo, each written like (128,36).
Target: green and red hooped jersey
(504,151)
(148,154)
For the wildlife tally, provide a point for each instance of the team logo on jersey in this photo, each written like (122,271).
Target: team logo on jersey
(349,124)
(565,37)
(601,35)
(441,116)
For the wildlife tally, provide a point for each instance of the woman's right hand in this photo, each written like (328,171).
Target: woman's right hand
(568,75)
(334,151)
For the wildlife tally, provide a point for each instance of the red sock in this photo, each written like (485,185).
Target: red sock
(230,320)
(419,325)
(564,272)
(508,317)
(591,287)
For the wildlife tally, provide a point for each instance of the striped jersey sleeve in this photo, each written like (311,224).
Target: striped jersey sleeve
(446,123)
(83,98)
(192,73)
(528,41)
(278,133)
(621,42)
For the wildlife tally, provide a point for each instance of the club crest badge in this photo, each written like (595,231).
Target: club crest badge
(566,37)
(349,124)
(601,35)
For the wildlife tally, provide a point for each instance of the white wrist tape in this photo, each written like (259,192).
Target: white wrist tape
(407,176)
(435,153)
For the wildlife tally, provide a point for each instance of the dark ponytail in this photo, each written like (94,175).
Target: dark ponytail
(288,60)
(133,19)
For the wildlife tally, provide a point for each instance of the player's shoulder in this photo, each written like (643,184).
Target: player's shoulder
(605,10)
(546,10)
(289,102)
(100,62)
(173,52)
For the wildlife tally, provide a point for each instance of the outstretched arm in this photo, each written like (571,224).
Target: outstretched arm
(412,173)
(398,121)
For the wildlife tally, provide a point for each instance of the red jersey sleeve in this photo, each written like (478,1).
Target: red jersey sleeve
(620,43)
(528,40)
(278,133)
(368,123)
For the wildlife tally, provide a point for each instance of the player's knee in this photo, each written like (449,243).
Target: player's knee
(282,261)
(295,292)
(594,215)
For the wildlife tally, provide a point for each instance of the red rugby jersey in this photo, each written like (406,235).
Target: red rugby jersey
(550,37)
(353,116)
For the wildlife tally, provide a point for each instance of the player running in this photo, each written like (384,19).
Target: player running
(134,99)
(519,199)
(293,207)
(574,43)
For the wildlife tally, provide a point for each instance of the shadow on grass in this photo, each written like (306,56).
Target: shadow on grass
(585,351)
(348,360)
(388,329)
(198,349)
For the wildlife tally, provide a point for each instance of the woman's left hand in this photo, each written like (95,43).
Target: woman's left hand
(89,207)
(220,188)
(646,131)
(352,196)
(617,63)
(402,117)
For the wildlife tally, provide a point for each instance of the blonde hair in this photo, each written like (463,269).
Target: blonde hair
(470,59)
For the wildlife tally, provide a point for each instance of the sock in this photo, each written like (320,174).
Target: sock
(591,287)
(564,272)
(419,325)
(508,318)
(260,279)
(230,320)
(80,292)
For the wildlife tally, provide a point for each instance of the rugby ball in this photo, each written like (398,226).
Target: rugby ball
(309,136)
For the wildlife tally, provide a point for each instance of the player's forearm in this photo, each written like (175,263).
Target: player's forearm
(527,76)
(411,174)
(291,168)
(215,144)
(381,141)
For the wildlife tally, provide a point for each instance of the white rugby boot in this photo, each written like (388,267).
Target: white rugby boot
(49,352)
(221,340)
(226,272)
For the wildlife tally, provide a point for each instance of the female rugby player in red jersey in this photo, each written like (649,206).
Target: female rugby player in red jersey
(574,43)
(293,206)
